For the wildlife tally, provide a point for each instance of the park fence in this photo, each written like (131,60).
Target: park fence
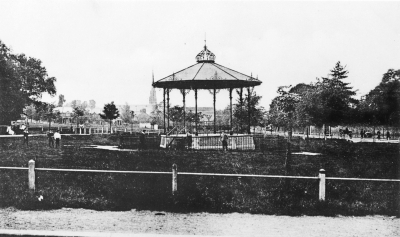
(174,173)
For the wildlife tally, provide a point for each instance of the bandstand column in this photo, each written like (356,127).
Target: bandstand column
(241,108)
(195,117)
(183,91)
(165,131)
(215,117)
(168,109)
(230,102)
(248,109)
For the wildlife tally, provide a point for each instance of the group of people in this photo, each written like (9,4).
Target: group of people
(378,134)
(56,136)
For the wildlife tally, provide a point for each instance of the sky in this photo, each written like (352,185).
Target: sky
(108,50)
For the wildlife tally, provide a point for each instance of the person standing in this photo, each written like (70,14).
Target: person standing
(224,139)
(26,134)
(142,140)
(50,137)
(57,136)
(379,135)
(388,135)
(362,133)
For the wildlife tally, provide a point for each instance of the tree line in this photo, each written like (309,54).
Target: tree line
(23,80)
(329,101)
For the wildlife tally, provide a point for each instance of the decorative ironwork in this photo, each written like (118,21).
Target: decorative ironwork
(205,56)
(216,77)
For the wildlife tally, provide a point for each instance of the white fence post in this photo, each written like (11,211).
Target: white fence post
(321,185)
(31,175)
(174,178)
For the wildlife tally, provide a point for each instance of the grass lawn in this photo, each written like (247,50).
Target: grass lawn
(201,193)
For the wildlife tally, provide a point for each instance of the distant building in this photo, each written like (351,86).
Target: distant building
(142,112)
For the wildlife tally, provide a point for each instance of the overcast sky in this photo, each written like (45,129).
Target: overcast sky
(107,50)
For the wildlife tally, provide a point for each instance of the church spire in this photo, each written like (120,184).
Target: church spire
(153,96)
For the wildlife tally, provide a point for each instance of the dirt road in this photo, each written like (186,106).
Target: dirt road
(197,223)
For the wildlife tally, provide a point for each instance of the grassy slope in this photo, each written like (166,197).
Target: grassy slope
(201,193)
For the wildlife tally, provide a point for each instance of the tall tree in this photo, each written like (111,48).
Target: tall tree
(78,112)
(335,98)
(381,105)
(241,113)
(127,115)
(23,80)
(50,114)
(61,100)
(110,112)
(283,110)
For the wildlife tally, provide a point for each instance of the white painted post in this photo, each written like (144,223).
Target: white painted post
(90,131)
(321,185)
(31,175)
(102,130)
(174,178)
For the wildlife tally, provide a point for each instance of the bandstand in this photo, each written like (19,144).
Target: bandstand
(206,75)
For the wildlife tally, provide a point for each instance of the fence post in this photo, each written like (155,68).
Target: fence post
(174,178)
(31,175)
(321,184)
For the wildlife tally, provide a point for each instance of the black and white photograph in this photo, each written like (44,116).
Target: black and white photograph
(199,118)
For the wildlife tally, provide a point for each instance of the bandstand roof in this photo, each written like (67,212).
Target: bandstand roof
(206,74)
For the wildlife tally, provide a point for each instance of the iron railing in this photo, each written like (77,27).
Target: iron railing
(211,142)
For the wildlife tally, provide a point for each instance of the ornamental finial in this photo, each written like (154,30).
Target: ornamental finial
(205,56)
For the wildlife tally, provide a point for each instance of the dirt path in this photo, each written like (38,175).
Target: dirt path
(197,223)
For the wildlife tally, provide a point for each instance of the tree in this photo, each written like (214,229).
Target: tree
(306,105)
(49,113)
(77,113)
(30,111)
(176,114)
(61,100)
(127,115)
(335,98)
(282,110)
(329,101)
(223,116)
(241,113)
(156,116)
(381,105)
(92,104)
(110,112)
(22,82)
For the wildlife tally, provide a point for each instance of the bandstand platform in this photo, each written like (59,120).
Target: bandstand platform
(207,142)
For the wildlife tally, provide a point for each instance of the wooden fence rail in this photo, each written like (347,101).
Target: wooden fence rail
(321,177)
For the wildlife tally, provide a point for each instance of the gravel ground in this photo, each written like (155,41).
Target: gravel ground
(235,224)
